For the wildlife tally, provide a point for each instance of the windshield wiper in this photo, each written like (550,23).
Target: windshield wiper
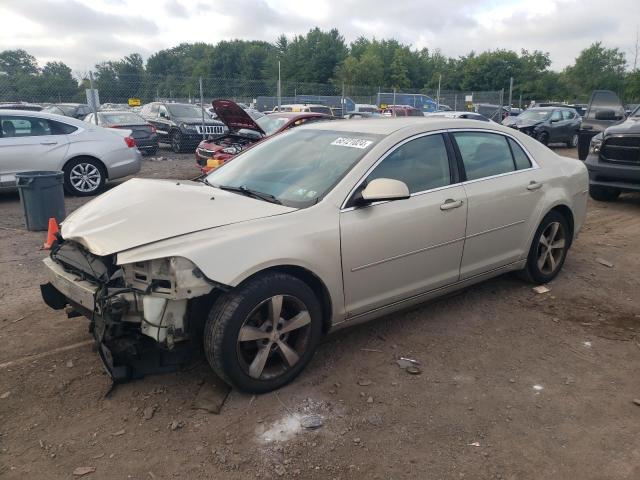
(267,197)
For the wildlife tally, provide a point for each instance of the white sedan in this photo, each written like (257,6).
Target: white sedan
(87,154)
(324,226)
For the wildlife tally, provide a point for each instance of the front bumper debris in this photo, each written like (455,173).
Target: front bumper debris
(143,320)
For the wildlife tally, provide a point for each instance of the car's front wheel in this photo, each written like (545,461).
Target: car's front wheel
(176,141)
(603,194)
(260,336)
(548,250)
(543,138)
(84,177)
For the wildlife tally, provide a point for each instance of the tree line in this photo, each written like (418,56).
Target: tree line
(248,68)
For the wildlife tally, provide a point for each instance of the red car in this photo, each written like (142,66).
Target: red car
(245,131)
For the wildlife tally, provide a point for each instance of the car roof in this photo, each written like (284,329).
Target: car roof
(386,126)
(304,105)
(46,115)
(292,115)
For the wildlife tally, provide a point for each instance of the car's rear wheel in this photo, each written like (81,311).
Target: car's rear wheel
(603,194)
(260,336)
(573,141)
(84,177)
(543,138)
(549,249)
(177,144)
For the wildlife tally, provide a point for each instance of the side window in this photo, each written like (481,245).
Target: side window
(153,109)
(422,164)
(567,115)
(519,157)
(162,109)
(484,154)
(24,127)
(556,115)
(59,128)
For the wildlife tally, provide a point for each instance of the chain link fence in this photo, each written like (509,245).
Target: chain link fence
(261,94)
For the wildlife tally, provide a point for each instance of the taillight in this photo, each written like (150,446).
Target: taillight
(130,142)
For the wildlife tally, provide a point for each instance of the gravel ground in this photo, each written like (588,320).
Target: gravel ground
(514,384)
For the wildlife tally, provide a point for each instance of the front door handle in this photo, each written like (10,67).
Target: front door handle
(48,143)
(450,204)
(533,185)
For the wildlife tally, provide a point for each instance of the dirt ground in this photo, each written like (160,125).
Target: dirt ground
(514,384)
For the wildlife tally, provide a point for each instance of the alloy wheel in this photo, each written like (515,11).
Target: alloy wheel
(551,248)
(85,177)
(273,337)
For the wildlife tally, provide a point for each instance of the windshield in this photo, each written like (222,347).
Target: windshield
(605,100)
(361,108)
(271,125)
(298,167)
(535,115)
(319,109)
(124,118)
(186,111)
(636,112)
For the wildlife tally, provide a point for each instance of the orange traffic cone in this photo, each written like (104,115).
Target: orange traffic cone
(51,233)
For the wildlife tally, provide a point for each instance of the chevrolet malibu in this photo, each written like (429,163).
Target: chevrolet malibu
(323,226)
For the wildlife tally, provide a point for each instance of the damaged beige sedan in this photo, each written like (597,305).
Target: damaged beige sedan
(320,227)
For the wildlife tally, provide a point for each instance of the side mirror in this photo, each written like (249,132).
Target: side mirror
(607,115)
(383,189)
(554,120)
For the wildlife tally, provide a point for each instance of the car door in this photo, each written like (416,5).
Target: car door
(570,124)
(556,130)
(503,187)
(30,143)
(397,249)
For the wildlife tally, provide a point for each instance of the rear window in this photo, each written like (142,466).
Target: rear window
(124,118)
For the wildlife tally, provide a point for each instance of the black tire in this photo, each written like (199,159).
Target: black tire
(584,140)
(603,194)
(237,309)
(543,138)
(573,141)
(177,144)
(532,271)
(96,177)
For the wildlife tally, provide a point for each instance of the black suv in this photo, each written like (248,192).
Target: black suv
(614,156)
(180,124)
(604,109)
(548,124)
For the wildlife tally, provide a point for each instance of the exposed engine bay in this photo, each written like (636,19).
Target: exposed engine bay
(235,143)
(145,317)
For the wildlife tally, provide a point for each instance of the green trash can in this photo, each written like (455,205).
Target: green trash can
(42,197)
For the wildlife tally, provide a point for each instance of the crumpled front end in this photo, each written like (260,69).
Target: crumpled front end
(145,317)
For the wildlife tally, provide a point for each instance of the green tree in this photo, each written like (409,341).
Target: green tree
(597,67)
(13,62)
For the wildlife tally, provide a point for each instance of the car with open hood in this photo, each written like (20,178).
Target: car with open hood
(182,125)
(614,159)
(604,110)
(245,128)
(548,124)
(320,227)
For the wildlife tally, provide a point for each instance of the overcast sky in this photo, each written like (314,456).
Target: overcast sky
(82,33)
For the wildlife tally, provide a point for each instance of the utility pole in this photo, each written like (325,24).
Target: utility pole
(279,88)
(94,107)
(394,101)
(202,108)
(635,53)
(510,91)
(438,99)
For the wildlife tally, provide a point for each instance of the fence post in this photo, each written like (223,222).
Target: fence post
(202,108)
(455,102)
(510,91)
(394,102)
(94,107)
(279,88)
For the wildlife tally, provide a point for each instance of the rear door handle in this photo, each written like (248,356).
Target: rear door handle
(450,204)
(533,185)
(48,143)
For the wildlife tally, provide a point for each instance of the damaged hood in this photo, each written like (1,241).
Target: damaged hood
(142,211)
(233,116)
(629,126)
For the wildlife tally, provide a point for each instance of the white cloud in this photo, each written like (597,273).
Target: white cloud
(84,32)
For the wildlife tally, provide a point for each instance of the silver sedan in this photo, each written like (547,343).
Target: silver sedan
(87,154)
(321,227)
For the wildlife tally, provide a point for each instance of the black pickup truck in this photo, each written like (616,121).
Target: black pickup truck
(613,153)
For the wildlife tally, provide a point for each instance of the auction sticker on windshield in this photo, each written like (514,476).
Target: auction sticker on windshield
(352,142)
